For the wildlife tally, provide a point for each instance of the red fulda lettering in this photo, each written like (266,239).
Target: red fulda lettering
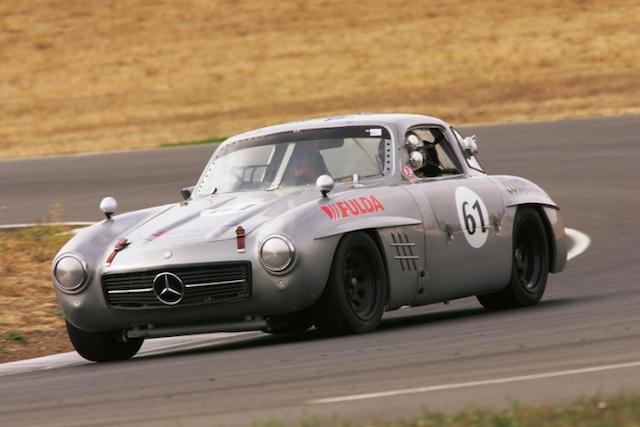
(336,213)
(353,207)
(368,206)
(342,206)
(377,206)
(327,210)
(361,207)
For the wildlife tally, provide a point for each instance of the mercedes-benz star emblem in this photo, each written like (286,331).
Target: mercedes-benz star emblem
(168,288)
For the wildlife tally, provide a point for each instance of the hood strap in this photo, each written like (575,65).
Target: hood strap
(120,245)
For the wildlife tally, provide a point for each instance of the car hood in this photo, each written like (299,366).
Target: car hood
(217,217)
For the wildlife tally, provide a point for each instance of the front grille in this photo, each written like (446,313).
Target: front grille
(204,284)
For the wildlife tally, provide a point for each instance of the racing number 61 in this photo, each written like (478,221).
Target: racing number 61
(470,220)
(473,216)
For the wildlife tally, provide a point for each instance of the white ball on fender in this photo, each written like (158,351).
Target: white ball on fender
(108,206)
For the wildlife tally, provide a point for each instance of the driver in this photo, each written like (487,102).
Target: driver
(306,164)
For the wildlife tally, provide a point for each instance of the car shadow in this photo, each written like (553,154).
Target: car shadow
(400,320)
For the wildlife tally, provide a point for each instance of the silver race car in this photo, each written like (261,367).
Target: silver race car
(326,223)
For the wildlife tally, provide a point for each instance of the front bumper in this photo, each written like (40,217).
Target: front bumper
(270,295)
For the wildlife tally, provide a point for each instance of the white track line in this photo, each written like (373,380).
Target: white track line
(149,348)
(580,242)
(454,386)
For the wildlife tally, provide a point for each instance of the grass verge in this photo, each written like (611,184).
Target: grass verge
(620,411)
(207,141)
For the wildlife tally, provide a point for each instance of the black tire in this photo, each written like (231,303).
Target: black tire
(293,323)
(355,296)
(529,264)
(103,346)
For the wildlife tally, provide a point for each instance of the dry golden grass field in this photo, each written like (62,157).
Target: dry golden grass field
(87,75)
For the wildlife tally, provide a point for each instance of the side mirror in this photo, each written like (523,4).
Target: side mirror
(108,206)
(186,192)
(325,184)
(470,145)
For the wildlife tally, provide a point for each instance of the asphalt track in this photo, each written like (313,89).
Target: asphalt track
(583,339)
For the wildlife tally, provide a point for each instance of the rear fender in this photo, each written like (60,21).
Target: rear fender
(521,192)
(556,236)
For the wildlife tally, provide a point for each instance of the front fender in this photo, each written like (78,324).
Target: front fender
(317,226)
(92,242)
(367,223)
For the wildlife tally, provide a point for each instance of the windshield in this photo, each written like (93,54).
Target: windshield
(297,158)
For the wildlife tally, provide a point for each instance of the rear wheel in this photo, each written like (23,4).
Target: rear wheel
(103,346)
(355,296)
(529,264)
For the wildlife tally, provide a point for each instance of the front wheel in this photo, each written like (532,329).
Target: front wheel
(355,296)
(529,264)
(103,346)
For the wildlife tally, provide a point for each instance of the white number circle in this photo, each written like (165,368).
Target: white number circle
(473,217)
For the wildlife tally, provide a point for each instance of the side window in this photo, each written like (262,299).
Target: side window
(430,153)
(472,160)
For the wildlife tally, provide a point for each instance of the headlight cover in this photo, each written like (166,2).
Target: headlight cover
(277,254)
(70,273)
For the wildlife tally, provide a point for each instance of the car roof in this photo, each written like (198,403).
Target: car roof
(393,120)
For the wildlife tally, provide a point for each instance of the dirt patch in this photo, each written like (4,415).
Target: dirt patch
(37,344)
(31,324)
(82,75)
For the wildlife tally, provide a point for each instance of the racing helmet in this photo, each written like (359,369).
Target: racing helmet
(416,159)
(412,141)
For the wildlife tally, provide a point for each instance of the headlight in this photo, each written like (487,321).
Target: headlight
(70,272)
(277,253)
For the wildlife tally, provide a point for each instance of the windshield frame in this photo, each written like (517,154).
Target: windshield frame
(289,136)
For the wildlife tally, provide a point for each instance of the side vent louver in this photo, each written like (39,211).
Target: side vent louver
(404,251)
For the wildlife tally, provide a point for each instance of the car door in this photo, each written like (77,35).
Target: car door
(466,250)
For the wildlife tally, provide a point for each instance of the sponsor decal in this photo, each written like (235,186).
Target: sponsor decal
(352,207)
(407,172)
